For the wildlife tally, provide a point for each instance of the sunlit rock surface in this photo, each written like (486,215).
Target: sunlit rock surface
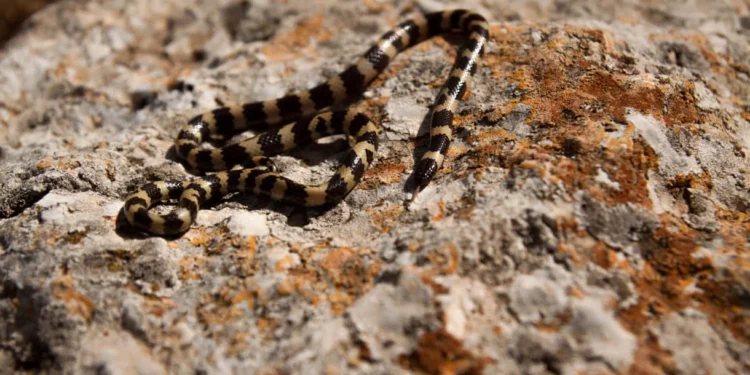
(592,216)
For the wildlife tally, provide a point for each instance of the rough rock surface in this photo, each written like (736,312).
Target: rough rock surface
(592,217)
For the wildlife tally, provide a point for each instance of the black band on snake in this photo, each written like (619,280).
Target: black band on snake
(245,166)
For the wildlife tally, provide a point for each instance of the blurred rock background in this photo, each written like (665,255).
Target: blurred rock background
(14,12)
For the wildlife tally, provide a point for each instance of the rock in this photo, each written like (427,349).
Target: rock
(591,215)
(682,333)
(595,333)
(536,299)
(155,268)
(248,224)
(382,333)
(117,353)
(655,134)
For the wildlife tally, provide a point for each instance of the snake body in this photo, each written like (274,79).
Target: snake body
(245,167)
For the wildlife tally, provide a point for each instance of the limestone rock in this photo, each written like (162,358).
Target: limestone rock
(592,215)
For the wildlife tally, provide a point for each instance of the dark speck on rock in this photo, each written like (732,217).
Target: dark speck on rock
(141,99)
(571,147)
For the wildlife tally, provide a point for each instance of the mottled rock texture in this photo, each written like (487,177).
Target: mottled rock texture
(592,216)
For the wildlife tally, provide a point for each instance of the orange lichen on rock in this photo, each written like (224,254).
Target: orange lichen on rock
(339,301)
(670,268)
(65,164)
(340,277)
(383,173)
(198,236)
(724,303)
(603,256)
(556,324)
(440,353)
(722,296)
(445,260)
(577,104)
(75,303)
(296,43)
(158,306)
(217,240)
(44,164)
(385,216)
(244,256)
(700,182)
(578,260)
(490,145)
(266,326)
(238,343)
(376,6)
(336,261)
(305,281)
(558,88)
(734,230)
(651,358)
(192,267)
(349,275)
(222,308)
(617,94)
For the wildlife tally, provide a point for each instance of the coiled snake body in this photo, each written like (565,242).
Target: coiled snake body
(245,166)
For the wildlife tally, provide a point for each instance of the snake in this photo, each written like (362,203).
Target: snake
(299,119)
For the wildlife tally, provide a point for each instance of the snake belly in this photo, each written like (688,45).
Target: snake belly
(245,166)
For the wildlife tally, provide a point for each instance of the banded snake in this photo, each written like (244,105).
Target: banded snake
(245,166)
